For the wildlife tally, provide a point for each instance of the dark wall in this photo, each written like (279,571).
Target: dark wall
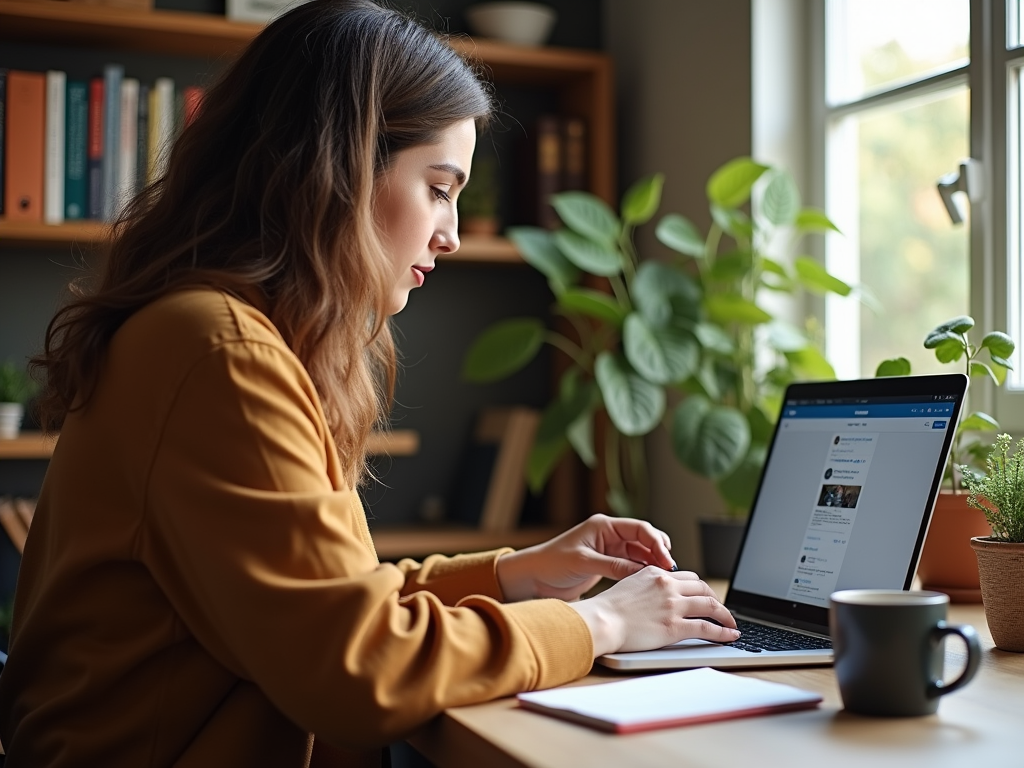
(434,330)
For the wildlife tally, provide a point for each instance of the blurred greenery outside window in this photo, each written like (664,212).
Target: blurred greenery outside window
(912,88)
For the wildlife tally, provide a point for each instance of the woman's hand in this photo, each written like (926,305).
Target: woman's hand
(652,609)
(571,563)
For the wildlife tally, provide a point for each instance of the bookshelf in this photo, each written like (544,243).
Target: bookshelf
(575,83)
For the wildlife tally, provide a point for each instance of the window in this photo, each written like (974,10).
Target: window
(912,89)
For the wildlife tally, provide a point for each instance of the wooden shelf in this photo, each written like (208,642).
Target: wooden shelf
(418,542)
(479,249)
(36,445)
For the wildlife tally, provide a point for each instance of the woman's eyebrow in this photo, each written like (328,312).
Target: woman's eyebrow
(454,170)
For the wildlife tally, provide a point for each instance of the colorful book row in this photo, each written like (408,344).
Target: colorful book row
(81,149)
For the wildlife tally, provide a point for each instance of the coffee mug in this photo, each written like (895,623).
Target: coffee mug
(889,653)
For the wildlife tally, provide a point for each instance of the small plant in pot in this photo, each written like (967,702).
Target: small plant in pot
(999,494)
(16,388)
(947,564)
(686,343)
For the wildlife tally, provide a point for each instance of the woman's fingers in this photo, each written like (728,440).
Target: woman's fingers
(628,531)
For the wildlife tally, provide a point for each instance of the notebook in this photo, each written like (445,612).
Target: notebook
(666,701)
(844,502)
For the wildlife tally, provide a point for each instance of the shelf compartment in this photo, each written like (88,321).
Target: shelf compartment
(36,445)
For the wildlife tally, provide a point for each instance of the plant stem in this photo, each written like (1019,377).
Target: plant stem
(629,264)
(559,341)
(621,292)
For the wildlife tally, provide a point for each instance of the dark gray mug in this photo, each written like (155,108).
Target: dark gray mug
(889,653)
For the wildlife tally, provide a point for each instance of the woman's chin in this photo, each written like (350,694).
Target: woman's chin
(398,302)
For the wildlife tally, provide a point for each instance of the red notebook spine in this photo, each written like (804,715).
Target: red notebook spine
(95,148)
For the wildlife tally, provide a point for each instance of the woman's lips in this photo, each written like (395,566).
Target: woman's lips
(420,273)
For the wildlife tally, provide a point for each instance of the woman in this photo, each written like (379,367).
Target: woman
(200,586)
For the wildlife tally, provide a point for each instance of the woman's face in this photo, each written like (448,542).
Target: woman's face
(415,205)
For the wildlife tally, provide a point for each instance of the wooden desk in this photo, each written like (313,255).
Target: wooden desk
(979,725)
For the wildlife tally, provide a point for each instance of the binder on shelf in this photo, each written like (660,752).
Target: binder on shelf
(492,485)
(142,139)
(53,185)
(24,145)
(76,145)
(113,75)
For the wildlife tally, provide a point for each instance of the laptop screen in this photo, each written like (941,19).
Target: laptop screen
(847,488)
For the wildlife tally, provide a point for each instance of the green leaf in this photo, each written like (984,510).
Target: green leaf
(634,405)
(641,201)
(733,308)
(950,349)
(660,355)
(761,427)
(956,325)
(978,422)
(587,215)
(816,278)
(661,292)
(810,364)
(503,349)
(538,249)
(814,220)
(770,265)
(733,222)
(780,202)
(897,366)
(739,487)
(581,437)
(560,414)
(586,301)
(730,185)
(596,258)
(998,344)
(618,502)
(714,338)
(981,370)
(1001,363)
(733,265)
(709,439)
(680,235)
(543,458)
(786,337)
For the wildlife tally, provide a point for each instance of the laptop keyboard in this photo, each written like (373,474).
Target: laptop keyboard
(758,637)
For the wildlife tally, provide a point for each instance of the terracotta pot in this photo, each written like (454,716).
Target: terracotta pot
(1001,565)
(947,564)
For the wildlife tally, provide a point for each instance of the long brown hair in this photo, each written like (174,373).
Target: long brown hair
(270,190)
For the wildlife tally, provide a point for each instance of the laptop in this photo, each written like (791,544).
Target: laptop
(844,502)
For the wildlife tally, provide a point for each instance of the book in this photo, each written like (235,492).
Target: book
(76,145)
(161,118)
(541,173)
(142,139)
(666,701)
(3,119)
(113,75)
(24,145)
(574,154)
(95,149)
(53,182)
(129,146)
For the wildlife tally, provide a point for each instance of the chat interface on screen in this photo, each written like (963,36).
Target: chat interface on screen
(844,493)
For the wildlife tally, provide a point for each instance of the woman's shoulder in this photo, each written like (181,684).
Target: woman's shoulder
(205,315)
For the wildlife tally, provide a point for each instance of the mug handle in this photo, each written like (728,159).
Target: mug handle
(938,688)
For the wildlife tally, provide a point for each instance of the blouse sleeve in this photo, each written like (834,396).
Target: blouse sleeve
(266,563)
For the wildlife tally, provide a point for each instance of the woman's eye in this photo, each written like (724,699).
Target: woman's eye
(440,194)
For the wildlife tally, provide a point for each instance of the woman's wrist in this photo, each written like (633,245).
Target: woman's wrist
(605,628)
(514,577)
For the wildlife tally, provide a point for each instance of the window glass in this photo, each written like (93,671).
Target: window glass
(877,44)
(1015,224)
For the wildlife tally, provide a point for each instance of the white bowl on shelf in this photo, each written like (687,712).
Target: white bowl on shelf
(512,22)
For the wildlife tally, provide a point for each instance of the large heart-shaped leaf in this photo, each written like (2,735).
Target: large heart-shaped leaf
(596,258)
(661,291)
(680,235)
(641,201)
(951,329)
(730,185)
(897,366)
(634,405)
(587,215)
(732,308)
(978,422)
(950,349)
(587,301)
(503,349)
(780,202)
(661,355)
(814,220)
(818,279)
(998,344)
(538,249)
(709,439)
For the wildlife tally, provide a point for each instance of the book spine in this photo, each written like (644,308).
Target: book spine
(53,188)
(549,170)
(113,75)
(142,136)
(76,144)
(95,155)
(165,124)
(574,154)
(129,146)
(25,145)
(193,98)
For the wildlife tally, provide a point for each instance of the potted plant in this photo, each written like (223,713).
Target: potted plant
(999,494)
(947,564)
(686,343)
(15,390)
(478,202)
